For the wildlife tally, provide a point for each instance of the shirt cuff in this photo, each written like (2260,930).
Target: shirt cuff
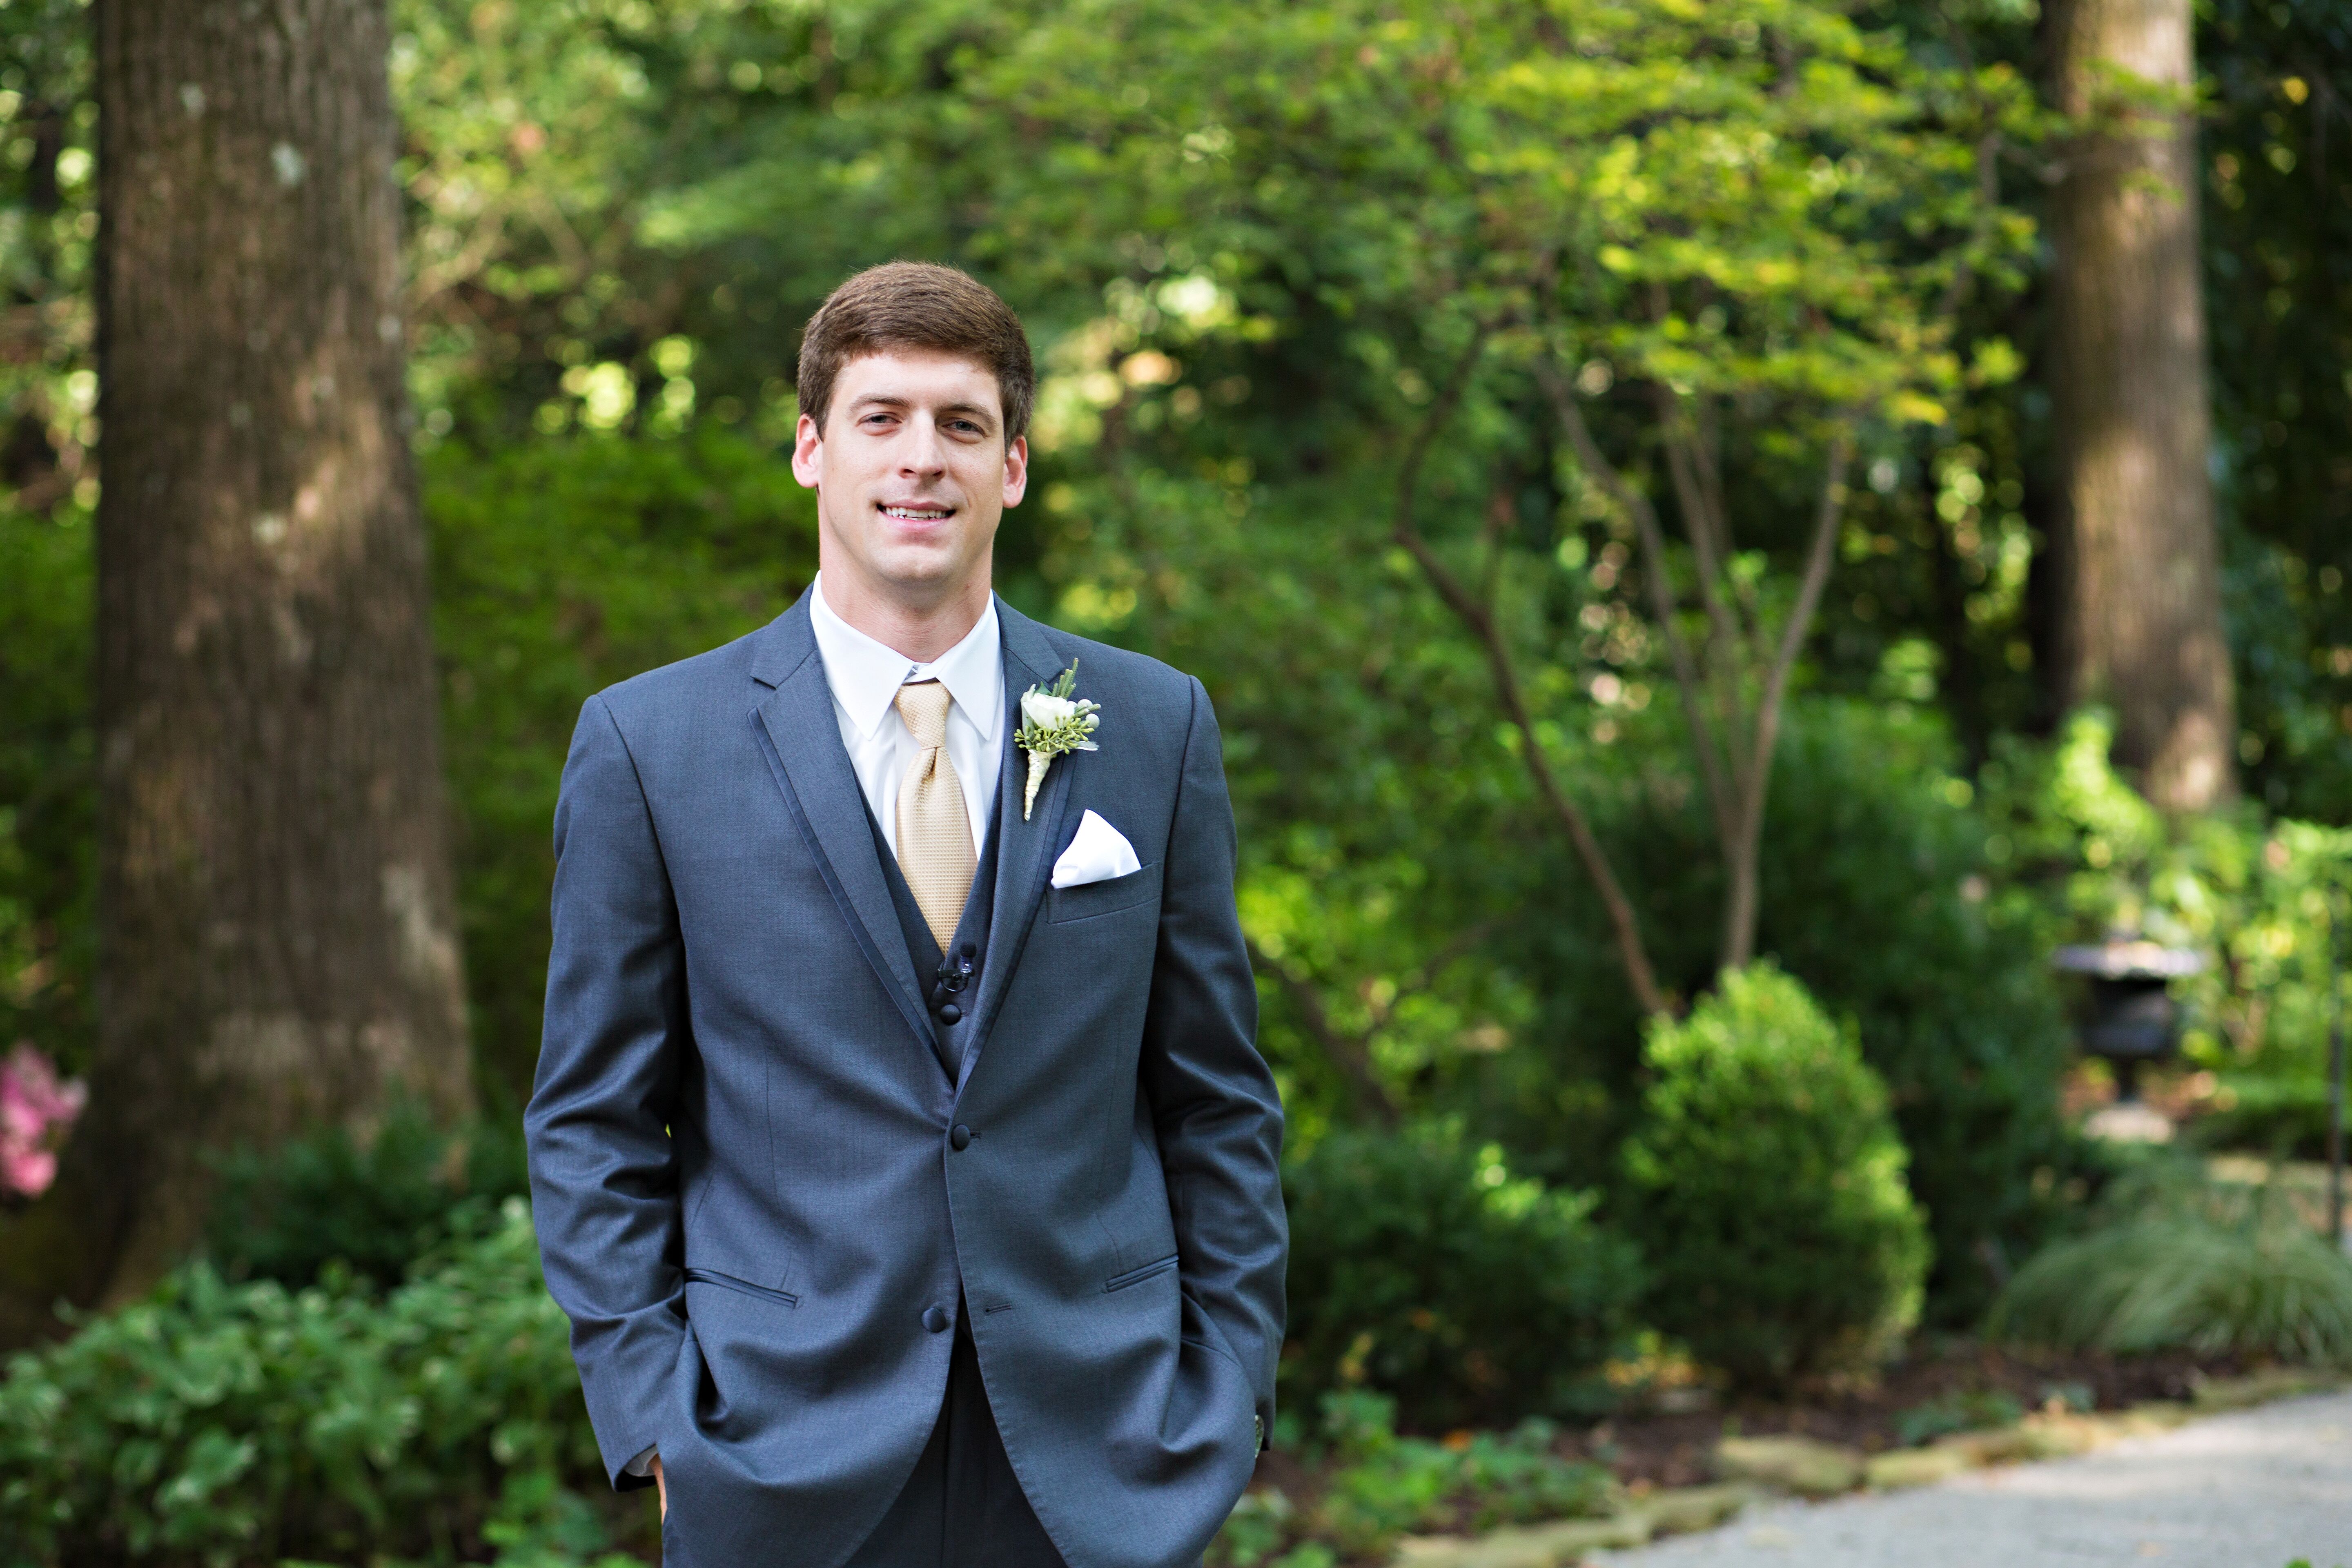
(643,1464)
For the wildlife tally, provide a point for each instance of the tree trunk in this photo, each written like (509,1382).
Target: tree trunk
(277,931)
(2140,622)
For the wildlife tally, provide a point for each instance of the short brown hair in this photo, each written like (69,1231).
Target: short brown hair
(918,305)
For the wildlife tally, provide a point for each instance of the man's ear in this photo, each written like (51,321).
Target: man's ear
(1016,470)
(808,452)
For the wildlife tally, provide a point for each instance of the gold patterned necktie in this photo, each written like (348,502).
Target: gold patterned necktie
(935,848)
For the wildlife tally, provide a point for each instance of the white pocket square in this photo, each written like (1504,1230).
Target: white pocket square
(1098,853)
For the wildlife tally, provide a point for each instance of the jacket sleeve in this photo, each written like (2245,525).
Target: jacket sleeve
(603,1175)
(1214,1099)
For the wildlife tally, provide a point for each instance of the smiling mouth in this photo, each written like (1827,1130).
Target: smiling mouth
(918,514)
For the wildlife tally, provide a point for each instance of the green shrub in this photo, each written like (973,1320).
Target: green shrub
(1380,1485)
(376,1207)
(1769,1182)
(1421,1267)
(2178,1264)
(1880,893)
(215,1423)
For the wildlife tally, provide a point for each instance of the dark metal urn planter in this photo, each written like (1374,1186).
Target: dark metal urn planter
(2132,1017)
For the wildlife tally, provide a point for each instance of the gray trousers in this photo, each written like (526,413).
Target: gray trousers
(963,1507)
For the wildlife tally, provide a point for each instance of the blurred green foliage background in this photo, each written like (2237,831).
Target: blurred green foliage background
(1278,260)
(1253,246)
(1246,246)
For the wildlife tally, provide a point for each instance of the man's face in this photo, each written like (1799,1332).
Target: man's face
(912,472)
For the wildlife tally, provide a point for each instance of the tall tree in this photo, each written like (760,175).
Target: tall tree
(277,931)
(2140,622)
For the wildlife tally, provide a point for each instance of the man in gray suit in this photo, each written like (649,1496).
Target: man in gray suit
(901,1149)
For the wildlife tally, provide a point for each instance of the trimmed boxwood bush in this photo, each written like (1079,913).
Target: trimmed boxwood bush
(1421,1267)
(1770,1186)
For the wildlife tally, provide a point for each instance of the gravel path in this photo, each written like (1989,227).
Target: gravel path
(2256,1489)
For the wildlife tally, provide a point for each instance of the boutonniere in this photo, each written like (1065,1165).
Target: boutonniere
(1054,724)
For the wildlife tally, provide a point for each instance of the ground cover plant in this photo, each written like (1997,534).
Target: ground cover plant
(439,1422)
(215,1423)
(1368,1486)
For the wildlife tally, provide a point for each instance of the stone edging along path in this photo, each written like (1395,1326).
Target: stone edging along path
(2211,1496)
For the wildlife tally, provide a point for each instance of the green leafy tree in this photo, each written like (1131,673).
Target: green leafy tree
(1759,214)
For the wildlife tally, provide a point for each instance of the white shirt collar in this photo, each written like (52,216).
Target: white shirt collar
(866,674)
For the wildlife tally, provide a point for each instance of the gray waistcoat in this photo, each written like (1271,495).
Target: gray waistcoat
(949,979)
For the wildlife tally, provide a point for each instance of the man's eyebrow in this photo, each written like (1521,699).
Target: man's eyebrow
(901,400)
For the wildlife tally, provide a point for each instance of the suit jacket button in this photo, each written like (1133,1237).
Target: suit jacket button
(959,1138)
(935,1320)
(949,1013)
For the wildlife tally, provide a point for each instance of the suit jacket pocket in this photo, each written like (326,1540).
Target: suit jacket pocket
(1108,897)
(1137,1276)
(729,1282)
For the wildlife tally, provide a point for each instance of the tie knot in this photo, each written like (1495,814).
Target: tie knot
(924,706)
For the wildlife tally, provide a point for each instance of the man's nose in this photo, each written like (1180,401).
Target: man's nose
(924,452)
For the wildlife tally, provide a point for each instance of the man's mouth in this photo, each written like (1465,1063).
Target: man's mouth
(918,513)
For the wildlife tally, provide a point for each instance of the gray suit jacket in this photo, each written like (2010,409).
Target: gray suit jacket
(760,1192)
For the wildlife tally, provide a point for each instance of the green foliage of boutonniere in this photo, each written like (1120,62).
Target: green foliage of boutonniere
(1054,724)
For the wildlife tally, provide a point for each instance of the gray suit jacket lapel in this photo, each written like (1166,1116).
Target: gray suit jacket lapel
(804,751)
(1026,850)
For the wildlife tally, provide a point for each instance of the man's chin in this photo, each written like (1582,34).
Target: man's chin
(921,574)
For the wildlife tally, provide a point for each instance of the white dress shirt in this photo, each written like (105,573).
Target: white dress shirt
(865,677)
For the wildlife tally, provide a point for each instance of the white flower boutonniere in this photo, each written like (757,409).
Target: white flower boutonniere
(1054,724)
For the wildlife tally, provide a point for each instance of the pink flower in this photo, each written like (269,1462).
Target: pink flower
(36,1108)
(26,1171)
